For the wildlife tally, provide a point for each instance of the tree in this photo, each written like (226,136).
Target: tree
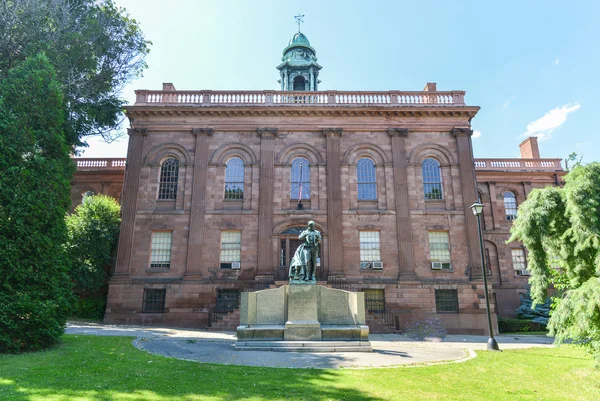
(93,230)
(94,46)
(561,229)
(540,313)
(35,174)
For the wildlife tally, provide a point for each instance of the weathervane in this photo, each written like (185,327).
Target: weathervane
(299,20)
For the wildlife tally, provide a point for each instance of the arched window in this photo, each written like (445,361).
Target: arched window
(366,178)
(234,179)
(299,83)
(86,194)
(300,179)
(510,205)
(432,180)
(169,173)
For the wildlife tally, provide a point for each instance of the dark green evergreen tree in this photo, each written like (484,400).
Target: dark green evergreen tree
(35,174)
(561,229)
(540,313)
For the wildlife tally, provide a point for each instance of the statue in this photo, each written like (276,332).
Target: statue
(304,262)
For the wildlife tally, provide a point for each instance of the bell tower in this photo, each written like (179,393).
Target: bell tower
(299,69)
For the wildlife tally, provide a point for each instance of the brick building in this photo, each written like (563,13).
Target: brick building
(219,183)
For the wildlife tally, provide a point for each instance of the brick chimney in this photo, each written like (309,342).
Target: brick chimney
(529,148)
(430,87)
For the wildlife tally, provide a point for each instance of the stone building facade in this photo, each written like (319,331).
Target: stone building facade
(218,185)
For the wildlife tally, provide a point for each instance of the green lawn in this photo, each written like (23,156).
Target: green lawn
(94,368)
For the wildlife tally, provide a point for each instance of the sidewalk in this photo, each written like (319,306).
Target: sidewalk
(217,347)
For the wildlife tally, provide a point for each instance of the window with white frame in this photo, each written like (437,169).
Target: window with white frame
(519,262)
(366,179)
(370,248)
(231,249)
(160,255)
(300,179)
(234,179)
(169,174)
(510,205)
(439,250)
(432,179)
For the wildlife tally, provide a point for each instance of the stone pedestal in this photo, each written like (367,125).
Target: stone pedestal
(303,318)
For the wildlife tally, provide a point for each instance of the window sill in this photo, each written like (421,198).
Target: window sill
(157,270)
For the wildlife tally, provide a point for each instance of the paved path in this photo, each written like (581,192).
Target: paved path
(217,347)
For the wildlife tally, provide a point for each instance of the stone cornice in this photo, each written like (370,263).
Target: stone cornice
(291,111)
(267,133)
(202,131)
(398,132)
(461,132)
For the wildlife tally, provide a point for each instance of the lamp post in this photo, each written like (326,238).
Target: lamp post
(492,344)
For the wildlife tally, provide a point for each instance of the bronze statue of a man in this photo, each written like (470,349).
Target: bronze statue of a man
(304,262)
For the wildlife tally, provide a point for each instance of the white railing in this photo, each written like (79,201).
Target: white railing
(100,164)
(518,164)
(270,98)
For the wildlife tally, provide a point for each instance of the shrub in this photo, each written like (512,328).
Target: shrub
(506,325)
(90,308)
(425,328)
(540,314)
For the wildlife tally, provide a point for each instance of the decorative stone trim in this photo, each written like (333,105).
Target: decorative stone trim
(137,131)
(202,131)
(462,132)
(332,131)
(398,132)
(266,133)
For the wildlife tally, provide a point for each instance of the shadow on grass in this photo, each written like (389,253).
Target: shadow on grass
(109,368)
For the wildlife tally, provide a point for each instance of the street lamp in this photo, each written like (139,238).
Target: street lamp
(492,344)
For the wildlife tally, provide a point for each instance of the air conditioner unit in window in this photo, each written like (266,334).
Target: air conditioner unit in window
(522,272)
(377,265)
(235,265)
(436,265)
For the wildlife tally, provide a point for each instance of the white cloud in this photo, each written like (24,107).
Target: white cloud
(543,127)
(556,61)
(476,134)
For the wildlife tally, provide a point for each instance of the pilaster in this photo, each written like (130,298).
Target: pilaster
(334,199)
(265,199)
(469,193)
(129,199)
(494,204)
(406,257)
(198,206)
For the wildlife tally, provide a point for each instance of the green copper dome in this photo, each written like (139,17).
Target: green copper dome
(299,39)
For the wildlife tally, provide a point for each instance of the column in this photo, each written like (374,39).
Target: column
(265,199)
(526,189)
(129,198)
(494,204)
(406,257)
(334,199)
(468,184)
(198,207)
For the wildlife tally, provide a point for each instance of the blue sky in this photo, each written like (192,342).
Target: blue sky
(532,66)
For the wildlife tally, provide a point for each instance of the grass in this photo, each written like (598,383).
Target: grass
(90,368)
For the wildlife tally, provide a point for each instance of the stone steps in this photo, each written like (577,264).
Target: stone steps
(305,346)
(230,322)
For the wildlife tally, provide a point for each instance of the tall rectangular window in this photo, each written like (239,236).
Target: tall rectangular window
(231,248)
(439,250)
(518,260)
(446,301)
(161,249)
(154,301)
(370,249)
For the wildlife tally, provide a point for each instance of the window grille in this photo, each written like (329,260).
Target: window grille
(510,205)
(374,300)
(161,249)
(234,179)
(439,247)
(370,250)
(300,189)
(446,301)
(518,259)
(169,174)
(231,248)
(432,179)
(227,300)
(154,301)
(366,179)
